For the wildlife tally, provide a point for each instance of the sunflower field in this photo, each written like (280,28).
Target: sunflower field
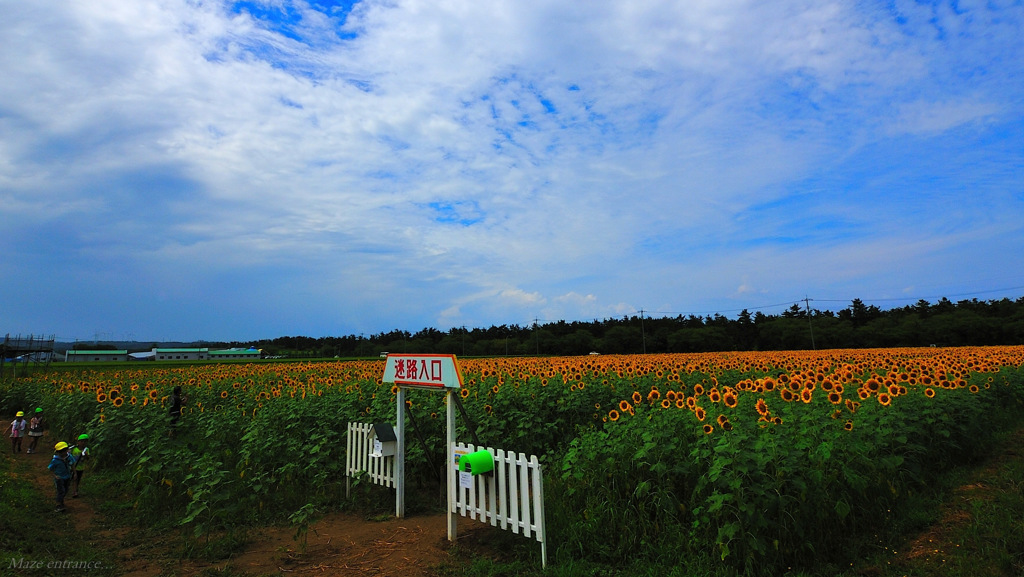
(755,461)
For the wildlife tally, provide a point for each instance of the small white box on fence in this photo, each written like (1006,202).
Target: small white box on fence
(358,458)
(385,441)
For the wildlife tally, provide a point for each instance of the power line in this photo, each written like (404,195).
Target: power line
(719,311)
(937,297)
(804,300)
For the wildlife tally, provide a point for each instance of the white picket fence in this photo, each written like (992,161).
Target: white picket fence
(511,497)
(379,470)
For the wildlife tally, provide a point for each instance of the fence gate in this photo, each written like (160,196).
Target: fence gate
(380,470)
(512,497)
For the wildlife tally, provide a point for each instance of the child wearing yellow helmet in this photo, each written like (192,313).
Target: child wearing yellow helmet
(81,454)
(62,465)
(17,431)
(35,430)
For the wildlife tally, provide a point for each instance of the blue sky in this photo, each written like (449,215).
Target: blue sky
(183,170)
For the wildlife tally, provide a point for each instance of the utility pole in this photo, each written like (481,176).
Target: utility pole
(536,336)
(643,335)
(807,303)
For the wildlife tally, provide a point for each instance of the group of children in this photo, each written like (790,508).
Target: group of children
(68,462)
(34,427)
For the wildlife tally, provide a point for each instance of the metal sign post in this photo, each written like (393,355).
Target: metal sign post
(400,455)
(452,476)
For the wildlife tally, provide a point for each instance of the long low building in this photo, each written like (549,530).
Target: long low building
(181,354)
(238,353)
(205,354)
(158,354)
(95,356)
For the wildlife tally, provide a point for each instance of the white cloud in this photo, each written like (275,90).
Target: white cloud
(520,298)
(443,155)
(930,118)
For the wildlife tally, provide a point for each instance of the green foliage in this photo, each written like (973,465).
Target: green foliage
(650,481)
(764,496)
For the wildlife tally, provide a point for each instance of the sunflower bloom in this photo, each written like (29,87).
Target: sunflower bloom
(708,429)
(613,415)
(762,407)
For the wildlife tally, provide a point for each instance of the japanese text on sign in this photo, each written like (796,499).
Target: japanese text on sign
(419,370)
(431,371)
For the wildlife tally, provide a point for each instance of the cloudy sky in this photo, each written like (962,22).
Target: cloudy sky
(200,169)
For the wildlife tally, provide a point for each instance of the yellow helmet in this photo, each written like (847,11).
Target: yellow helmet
(60,446)
(19,414)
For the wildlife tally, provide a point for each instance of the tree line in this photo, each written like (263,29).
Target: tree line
(944,323)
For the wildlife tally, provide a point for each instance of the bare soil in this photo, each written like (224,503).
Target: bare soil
(337,544)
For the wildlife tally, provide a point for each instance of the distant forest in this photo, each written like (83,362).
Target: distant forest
(944,324)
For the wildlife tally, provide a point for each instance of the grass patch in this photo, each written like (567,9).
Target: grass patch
(37,539)
(977,528)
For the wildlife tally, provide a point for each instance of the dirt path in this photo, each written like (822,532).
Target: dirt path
(338,544)
(349,545)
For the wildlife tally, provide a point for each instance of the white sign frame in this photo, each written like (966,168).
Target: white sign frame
(434,372)
(423,371)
